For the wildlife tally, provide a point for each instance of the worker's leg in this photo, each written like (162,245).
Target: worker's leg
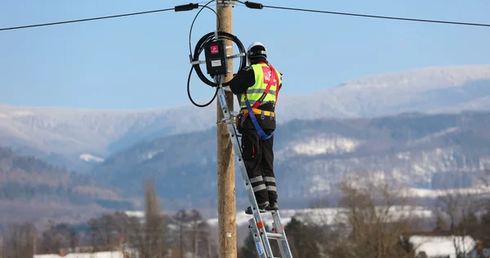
(267,164)
(252,154)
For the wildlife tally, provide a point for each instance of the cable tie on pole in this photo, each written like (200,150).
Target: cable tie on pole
(253,5)
(186,7)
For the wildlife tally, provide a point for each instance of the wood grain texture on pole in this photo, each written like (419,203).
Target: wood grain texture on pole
(226,160)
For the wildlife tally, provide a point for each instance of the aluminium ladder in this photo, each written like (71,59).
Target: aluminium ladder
(256,224)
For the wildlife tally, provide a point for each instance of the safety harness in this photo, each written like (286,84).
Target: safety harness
(251,109)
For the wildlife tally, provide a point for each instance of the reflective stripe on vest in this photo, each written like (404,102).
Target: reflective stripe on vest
(262,76)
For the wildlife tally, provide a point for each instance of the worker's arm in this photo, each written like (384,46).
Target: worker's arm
(244,79)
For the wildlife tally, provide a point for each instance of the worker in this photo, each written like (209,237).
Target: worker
(256,87)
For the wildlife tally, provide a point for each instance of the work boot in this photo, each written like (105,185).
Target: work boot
(261,209)
(273,206)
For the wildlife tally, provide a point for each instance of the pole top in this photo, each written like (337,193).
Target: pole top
(225,3)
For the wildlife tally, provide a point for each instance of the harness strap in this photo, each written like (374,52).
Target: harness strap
(278,87)
(263,136)
(266,91)
(259,112)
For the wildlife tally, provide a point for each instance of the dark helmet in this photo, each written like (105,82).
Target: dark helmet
(256,50)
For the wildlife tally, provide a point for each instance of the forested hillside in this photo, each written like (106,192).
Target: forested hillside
(421,150)
(31,188)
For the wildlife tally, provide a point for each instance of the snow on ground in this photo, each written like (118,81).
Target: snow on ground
(328,216)
(442,246)
(323,145)
(83,255)
(139,214)
(428,193)
(89,158)
(430,137)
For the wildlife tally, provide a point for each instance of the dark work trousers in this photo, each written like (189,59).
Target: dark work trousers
(258,156)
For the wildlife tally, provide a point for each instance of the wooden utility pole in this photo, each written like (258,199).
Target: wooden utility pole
(226,160)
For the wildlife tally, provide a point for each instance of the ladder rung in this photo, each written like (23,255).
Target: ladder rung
(263,241)
(275,235)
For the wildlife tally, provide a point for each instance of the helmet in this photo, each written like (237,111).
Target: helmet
(256,49)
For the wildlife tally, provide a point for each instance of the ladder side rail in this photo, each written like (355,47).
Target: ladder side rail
(283,243)
(259,246)
(262,233)
(238,153)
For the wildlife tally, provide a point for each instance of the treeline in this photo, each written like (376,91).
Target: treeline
(12,161)
(28,178)
(375,219)
(151,234)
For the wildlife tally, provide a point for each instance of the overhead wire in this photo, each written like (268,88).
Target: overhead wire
(191,57)
(195,18)
(254,5)
(86,19)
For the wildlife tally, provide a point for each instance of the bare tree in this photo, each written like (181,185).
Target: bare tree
(305,239)
(182,219)
(150,235)
(19,240)
(57,237)
(105,232)
(485,180)
(199,236)
(191,234)
(376,214)
(206,247)
(458,211)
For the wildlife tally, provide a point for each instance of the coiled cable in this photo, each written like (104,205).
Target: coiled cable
(194,57)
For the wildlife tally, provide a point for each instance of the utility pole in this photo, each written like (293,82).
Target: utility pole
(226,162)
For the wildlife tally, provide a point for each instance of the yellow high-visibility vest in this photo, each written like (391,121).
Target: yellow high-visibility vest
(262,77)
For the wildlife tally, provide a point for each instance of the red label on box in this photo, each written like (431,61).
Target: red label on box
(214,49)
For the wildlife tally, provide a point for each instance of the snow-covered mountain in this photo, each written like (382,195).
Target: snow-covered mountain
(69,136)
(312,156)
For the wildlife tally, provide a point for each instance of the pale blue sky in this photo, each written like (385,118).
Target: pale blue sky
(141,62)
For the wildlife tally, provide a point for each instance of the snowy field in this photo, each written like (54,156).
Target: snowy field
(83,255)
(327,216)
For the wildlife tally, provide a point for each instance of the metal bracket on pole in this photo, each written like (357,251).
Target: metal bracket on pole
(226,3)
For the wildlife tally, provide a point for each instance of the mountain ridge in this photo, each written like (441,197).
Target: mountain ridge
(427,151)
(62,135)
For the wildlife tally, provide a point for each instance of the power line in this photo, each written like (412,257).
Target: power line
(87,19)
(254,5)
(186,7)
